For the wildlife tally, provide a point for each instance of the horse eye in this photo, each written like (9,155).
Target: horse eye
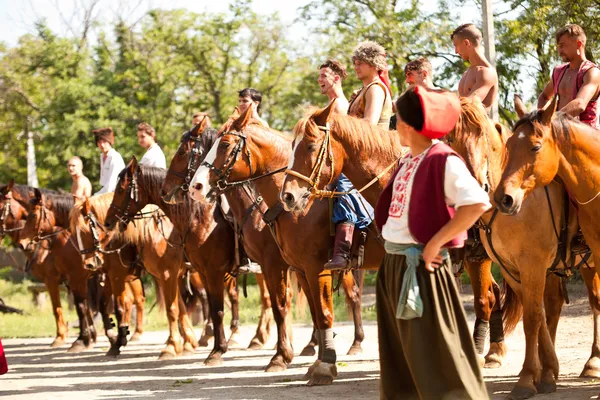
(536,148)
(225,145)
(312,147)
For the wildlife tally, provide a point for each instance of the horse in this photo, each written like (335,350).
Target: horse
(12,220)
(255,236)
(301,243)
(152,237)
(47,221)
(205,236)
(547,145)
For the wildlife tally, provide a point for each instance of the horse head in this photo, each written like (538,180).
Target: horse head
(90,235)
(41,218)
(185,162)
(315,162)
(533,157)
(127,198)
(229,159)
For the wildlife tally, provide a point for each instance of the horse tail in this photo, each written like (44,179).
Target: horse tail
(298,293)
(512,308)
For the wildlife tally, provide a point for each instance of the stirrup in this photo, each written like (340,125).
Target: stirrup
(249,268)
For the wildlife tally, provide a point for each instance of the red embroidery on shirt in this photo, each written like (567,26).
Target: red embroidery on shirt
(399,197)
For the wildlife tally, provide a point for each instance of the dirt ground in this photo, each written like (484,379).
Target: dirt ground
(38,372)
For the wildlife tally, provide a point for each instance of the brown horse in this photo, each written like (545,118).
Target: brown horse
(206,238)
(12,220)
(544,145)
(152,237)
(326,141)
(302,244)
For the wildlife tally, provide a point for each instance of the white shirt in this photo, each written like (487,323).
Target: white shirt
(154,157)
(109,171)
(460,189)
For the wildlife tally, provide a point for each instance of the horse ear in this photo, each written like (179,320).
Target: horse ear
(195,130)
(132,164)
(35,197)
(10,186)
(548,111)
(243,119)
(321,117)
(520,106)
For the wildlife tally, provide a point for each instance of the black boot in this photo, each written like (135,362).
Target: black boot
(341,247)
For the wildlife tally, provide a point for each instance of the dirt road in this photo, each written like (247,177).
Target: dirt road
(38,372)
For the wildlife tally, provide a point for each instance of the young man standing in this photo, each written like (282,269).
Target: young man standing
(154,156)
(577,82)
(331,75)
(425,347)
(111,162)
(81,186)
(480,80)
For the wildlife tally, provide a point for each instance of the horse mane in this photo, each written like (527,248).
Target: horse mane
(561,125)
(24,191)
(61,204)
(138,234)
(281,141)
(358,133)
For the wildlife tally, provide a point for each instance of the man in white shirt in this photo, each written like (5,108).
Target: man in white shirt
(154,156)
(111,162)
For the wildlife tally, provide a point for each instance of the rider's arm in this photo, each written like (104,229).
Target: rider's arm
(485,79)
(374,99)
(591,80)
(546,95)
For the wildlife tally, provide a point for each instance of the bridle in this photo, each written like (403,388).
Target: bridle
(192,164)
(223,173)
(6,211)
(315,176)
(123,214)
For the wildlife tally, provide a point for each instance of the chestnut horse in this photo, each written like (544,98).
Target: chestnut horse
(152,236)
(12,220)
(544,145)
(204,234)
(48,219)
(304,240)
(255,236)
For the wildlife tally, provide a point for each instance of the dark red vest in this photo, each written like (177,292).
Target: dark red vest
(590,114)
(427,211)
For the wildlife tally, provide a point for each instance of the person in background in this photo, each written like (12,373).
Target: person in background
(111,162)
(81,186)
(154,156)
(251,96)
(199,116)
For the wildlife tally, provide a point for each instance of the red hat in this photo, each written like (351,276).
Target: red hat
(105,134)
(441,110)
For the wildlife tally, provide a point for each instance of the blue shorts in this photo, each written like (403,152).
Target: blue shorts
(342,212)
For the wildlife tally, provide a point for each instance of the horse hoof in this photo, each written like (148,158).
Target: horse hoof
(308,351)
(59,341)
(203,342)
(113,351)
(231,343)
(166,355)
(188,349)
(546,387)
(136,337)
(591,369)
(276,364)
(354,350)
(323,374)
(77,347)
(255,344)
(213,361)
(520,393)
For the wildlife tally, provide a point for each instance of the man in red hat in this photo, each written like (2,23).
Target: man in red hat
(111,162)
(425,347)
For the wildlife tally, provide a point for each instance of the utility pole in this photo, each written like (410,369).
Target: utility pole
(32,179)
(489,43)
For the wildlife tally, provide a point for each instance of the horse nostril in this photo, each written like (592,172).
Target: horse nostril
(198,186)
(288,198)
(507,201)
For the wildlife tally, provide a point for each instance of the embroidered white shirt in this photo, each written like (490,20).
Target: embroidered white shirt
(460,189)
(154,157)
(109,171)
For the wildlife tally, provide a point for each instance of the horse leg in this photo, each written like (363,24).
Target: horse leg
(104,307)
(139,300)
(263,330)
(215,291)
(200,292)
(53,285)
(83,341)
(186,328)
(123,304)
(353,289)
(592,282)
(309,349)
(553,303)
(324,370)
(276,277)
(232,292)
(170,287)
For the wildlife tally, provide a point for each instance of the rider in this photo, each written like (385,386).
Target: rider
(577,83)
(373,103)
(417,72)
(331,75)
(154,156)
(81,186)
(111,162)
(249,96)
(480,80)
(426,208)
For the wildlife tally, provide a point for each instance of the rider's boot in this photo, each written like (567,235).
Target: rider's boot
(342,246)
